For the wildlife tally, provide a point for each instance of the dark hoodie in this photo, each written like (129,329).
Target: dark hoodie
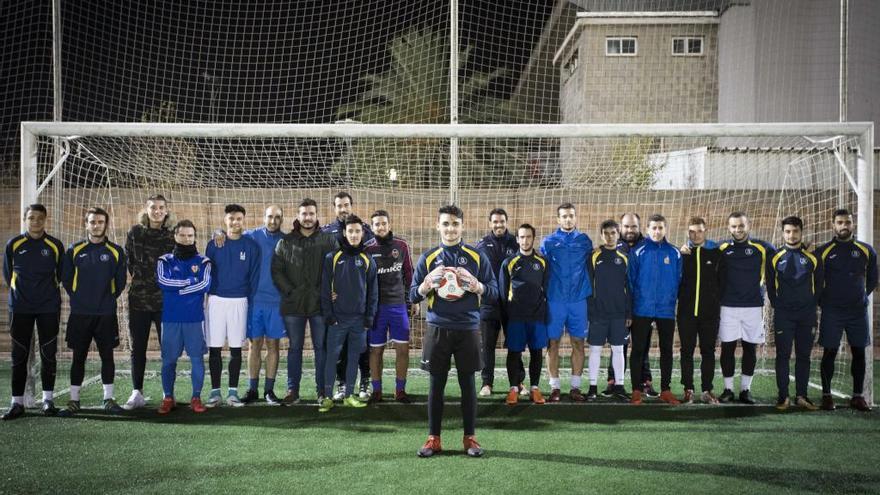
(143,246)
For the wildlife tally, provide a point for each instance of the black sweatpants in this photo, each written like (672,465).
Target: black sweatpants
(641,328)
(22,331)
(139,324)
(690,329)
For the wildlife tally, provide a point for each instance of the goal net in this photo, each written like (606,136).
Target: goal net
(768,171)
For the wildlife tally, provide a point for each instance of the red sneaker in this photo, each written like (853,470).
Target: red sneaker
(667,397)
(196,405)
(512,397)
(402,397)
(168,404)
(431,447)
(471,447)
(537,397)
(636,399)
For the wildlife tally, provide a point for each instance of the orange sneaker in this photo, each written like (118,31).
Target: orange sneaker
(512,397)
(196,405)
(537,397)
(471,447)
(167,405)
(667,397)
(636,399)
(431,447)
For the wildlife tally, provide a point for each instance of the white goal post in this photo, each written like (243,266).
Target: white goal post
(36,174)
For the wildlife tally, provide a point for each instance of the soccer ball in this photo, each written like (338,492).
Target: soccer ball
(450,288)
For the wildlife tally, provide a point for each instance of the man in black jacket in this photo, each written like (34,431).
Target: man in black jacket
(296,271)
(148,239)
(699,308)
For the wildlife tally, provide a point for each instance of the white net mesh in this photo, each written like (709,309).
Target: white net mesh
(409,177)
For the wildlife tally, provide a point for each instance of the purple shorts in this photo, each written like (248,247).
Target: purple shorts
(391,319)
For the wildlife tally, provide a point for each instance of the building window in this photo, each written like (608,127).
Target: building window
(571,65)
(685,46)
(621,46)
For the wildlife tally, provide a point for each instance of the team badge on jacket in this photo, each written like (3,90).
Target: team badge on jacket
(242,256)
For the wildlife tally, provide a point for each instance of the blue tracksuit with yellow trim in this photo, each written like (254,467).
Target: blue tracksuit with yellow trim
(522,286)
(32,269)
(742,272)
(497,249)
(464,313)
(352,275)
(612,295)
(793,281)
(94,275)
(849,274)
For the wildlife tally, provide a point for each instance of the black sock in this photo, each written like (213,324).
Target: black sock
(750,358)
(215,365)
(514,364)
(436,391)
(108,366)
(536,364)
(234,366)
(858,369)
(78,366)
(468,386)
(827,369)
(728,358)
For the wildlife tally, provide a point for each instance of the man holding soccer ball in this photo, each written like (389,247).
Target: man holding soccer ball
(453,277)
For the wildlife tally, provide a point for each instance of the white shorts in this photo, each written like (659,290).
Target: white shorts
(226,319)
(742,323)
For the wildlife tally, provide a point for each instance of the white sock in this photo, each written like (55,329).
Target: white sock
(575,381)
(595,359)
(74,392)
(617,363)
(728,382)
(48,395)
(554,383)
(745,382)
(18,399)
(108,391)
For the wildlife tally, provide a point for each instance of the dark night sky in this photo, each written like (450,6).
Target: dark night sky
(281,61)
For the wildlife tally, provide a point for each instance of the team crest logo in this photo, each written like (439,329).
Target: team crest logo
(105,257)
(44,252)
(509,251)
(395,253)
(803,261)
(665,260)
(618,261)
(438,262)
(358,262)
(462,260)
(854,254)
(242,256)
(536,266)
(194,268)
(749,251)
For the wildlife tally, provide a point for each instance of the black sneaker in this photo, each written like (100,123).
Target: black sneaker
(15,411)
(272,399)
(112,407)
(619,393)
(72,408)
(726,397)
(364,392)
(592,393)
(250,396)
(650,391)
(49,408)
(746,397)
(609,390)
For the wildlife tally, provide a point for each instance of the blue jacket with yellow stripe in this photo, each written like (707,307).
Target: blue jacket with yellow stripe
(849,273)
(793,279)
(32,269)
(464,313)
(522,287)
(742,272)
(94,275)
(353,276)
(612,295)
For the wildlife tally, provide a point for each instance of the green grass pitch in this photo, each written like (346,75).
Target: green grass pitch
(563,448)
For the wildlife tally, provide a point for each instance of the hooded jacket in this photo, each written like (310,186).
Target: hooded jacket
(352,275)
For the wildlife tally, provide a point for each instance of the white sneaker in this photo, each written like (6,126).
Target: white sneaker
(214,400)
(363,395)
(486,391)
(233,401)
(135,401)
(340,394)
(523,391)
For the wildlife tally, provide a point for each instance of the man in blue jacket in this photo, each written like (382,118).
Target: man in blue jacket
(234,281)
(794,294)
(654,274)
(184,276)
(94,276)
(32,268)
(453,326)
(497,245)
(742,272)
(568,252)
(349,300)
(849,278)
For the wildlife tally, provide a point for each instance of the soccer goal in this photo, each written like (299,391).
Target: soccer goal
(768,171)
